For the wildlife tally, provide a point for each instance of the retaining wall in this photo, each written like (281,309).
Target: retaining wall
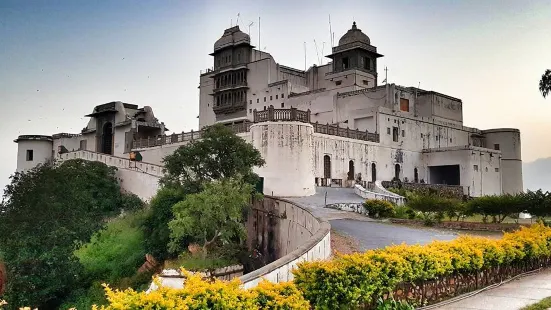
(367,194)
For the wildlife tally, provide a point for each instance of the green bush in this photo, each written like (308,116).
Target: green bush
(116,251)
(401,212)
(497,207)
(379,208)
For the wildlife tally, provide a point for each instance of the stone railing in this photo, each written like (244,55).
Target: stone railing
(367,194)
(114,161)
(299,236)
(269,115)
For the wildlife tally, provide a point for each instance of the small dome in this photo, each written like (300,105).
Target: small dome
(232,36)
(354,35)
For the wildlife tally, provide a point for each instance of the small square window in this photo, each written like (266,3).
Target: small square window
(264,99)
(496,146)
(496,169)
(403,133)
(282,95)
(450,140)
(437,138)
(395,134)
(264,108)
(282,104)
(30,155)
(250,110)
(251,101)
(486,169)
(387,130)
(338,83)
(475,167)
(277,96)
(270,98)
(365,82)
(257,100)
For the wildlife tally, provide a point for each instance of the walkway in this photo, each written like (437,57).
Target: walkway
(510,296)
(370,234)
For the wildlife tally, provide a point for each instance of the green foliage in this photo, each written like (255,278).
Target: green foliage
(195,263)
(131,202)
(391,304)
(116,251)
(498,207)
(379,208)
(219,154)
(543,304)
(156,224)
(435,208)
(402,212)
(45,214)
(545,83)
(211,216)
(85,298)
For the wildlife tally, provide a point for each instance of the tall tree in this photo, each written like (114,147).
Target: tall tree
(545,83)
(218,154)
(46,212)
(211,216)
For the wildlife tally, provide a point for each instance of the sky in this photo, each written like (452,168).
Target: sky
(59,59)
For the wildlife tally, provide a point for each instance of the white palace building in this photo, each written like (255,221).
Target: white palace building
(332,125)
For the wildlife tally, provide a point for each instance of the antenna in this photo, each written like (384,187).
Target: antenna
(237,22)
(259,46)
(316,45)
(330,32)
(252,23)
(304,55)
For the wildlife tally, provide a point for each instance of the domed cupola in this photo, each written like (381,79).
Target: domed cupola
(355,52)
(232,37)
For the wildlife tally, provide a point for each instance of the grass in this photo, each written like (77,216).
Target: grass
(541,305)
(196,263)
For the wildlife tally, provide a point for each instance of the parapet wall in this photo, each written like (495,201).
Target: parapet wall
(139,178)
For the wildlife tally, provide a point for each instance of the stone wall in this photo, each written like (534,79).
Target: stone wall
(452,191)
(350,207)
(465,225)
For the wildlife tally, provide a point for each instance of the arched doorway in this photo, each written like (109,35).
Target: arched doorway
(415,175)
(373,172)
(327,167)
(107,138)
(351,170)
(397,171)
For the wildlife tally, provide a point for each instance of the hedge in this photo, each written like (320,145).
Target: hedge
(349,281)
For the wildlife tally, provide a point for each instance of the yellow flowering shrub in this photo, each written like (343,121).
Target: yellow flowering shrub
(353,279)
(200,294)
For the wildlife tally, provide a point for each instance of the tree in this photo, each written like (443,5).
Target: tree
(211,216)
(545,83)
(45,214)
(218,154)
(156,225)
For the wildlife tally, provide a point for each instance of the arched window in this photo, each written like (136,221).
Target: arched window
(351,170)
(107,139)
(415,175)
(327,167)
(397,171)
(373,172)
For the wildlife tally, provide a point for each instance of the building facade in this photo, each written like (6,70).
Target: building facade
(331,125)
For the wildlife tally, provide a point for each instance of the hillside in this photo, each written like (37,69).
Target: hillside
(537,174)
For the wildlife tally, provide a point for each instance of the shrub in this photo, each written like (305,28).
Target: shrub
(402,212)
(379,208)
(116,251)
(498,207)
(350,280)
(200,294)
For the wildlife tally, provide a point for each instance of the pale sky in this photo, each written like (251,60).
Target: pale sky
(59,59)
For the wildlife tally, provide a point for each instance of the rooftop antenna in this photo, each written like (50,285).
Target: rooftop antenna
(317,53)
(252,23)
(237,22)
(304,55)
(386,76)
(330,32)
(418,86)
(259,46)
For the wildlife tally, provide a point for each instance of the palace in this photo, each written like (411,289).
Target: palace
(331,125)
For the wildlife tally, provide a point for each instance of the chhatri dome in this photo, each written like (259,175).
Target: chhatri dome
(354,35)
(232,36)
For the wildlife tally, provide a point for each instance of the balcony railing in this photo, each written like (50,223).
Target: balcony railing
(269,115)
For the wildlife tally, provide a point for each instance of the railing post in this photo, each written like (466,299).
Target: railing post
(308,116)
(271,113)
(293,114)
(255,116)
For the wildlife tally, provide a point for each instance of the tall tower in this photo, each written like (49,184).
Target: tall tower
(232,53)
(355,52)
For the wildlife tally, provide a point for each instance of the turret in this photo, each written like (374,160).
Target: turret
(33,150)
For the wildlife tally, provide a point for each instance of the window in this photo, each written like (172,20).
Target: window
(82,145)
(276,96)
(387,130)
(486,169)
(496,169)
(496,147)
(345,64)
(403,133)
(257,100)
(30,155)
(264,99)
(282,104)
(282,95)
(450,140)
(251,101)
(250,110)
(238,57)
(366,82)
(270,98)
(475,167)
(395,134)
(404,104)
(367,63)
(437,137)
(338,82)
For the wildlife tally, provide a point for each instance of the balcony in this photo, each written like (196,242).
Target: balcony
(242,84)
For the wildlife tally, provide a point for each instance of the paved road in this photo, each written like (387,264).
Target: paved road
(369,233)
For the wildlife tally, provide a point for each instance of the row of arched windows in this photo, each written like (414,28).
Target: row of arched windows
(351,173)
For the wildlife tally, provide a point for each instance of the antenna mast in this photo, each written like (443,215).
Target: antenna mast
(317,53)
(304,55)
(331,35)
(259,46)
(237,22)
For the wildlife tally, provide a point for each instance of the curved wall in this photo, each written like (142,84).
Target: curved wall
(508,140)
(287,149)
